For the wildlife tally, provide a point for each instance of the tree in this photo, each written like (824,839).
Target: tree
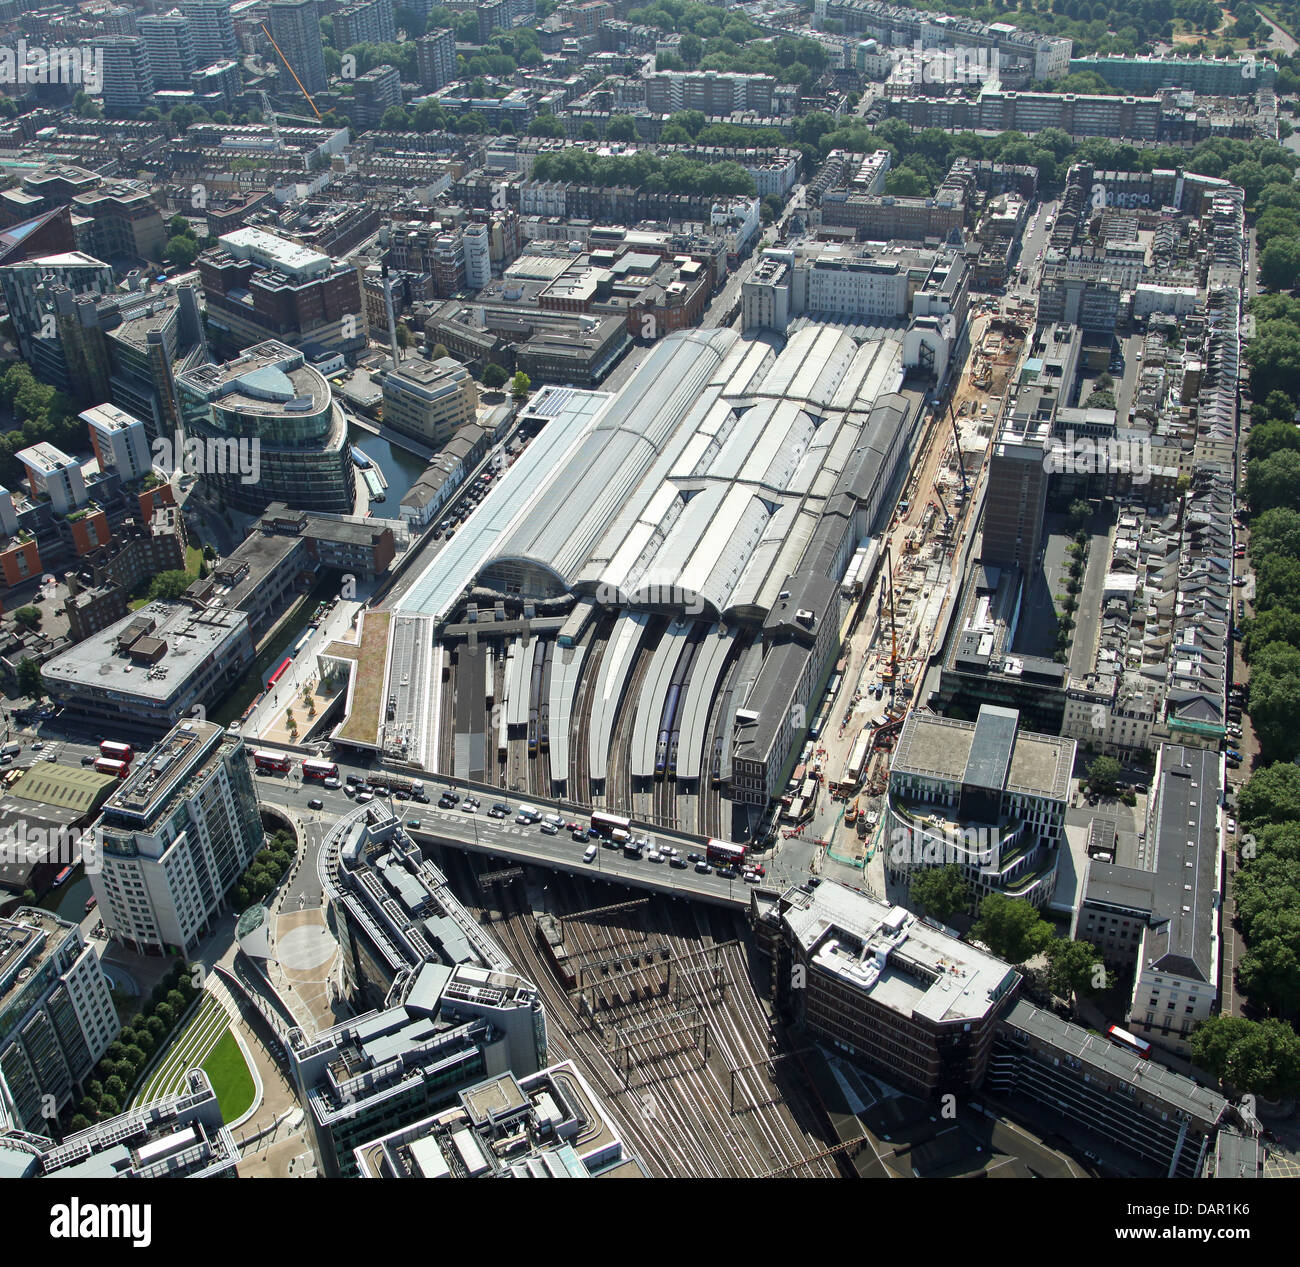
(109,1106)
(494,376)
(1075,967)
(940,891)
(520,385)
(169,585)
(165,1014)
(1271,435)
(546,125)
(1275,700)
(1011,929)
(1270,795)
(1079,514)
(404,336)
(179,225)
(439,351)
(28,617)
(79,1122)
(1277,583)
(1269,971)
(1279,263)
(1276,531)
(181,252)
(115,1087)
(621,127)
(29,679)
(1258,1057)
(1103,775)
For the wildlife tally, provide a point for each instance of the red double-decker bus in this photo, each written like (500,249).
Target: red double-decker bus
(271,762)
(117,751)
(722,851)
(320,770)
(106,765)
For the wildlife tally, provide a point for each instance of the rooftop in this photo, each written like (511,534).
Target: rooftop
(903,963)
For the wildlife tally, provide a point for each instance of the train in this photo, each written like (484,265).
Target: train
(669,721)
(534,695)
(544,703)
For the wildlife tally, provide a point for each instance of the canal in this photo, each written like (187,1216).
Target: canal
(400,468)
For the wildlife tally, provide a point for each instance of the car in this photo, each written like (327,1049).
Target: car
(1233,763)
(679,863)
(752,877)
(727,873)
(331,783)
(574,827)
(447,801)
(694,857)
(499,811)
(589,855)
(363,797)
(349,791)
(1231,826)
(38,745)
(88,759)
(550,829)
(413,822)
(654,856)
(421,797)
(579,834)
(401,794)
(703,868)
(383,791)
(1232,752)
(469,807)
(474,801)
(315,803)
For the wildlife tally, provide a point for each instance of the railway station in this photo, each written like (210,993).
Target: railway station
(643,612)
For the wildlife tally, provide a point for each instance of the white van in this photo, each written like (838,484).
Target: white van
(590,854)
(555,821)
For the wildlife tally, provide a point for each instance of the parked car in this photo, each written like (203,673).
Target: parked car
(413,823)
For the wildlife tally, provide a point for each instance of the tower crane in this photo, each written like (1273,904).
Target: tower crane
(291,71)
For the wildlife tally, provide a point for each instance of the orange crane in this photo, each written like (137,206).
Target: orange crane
(291,71)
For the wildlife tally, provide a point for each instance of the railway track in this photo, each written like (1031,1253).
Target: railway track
(670,1101)
(579,763)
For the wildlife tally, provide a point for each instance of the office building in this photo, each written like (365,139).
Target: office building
(120,222)
(449,1008)
(176,835)
(128,84)
(169,44)
(181,1136)
(57,1017)
(258,286)
(36,335)
(1241,75)
(152,667)
(212,30)
(270,431)
(1097,1090)
(429,400)
(295,28)
(911,1002)
(1017,494)
(549,1125)
(985,796)
(1155,910)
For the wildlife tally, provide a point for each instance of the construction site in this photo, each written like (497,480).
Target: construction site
(834,797)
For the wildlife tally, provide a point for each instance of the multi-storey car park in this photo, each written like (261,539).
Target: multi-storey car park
(657,578)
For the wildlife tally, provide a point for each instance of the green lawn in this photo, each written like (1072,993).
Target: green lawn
(231,1080)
